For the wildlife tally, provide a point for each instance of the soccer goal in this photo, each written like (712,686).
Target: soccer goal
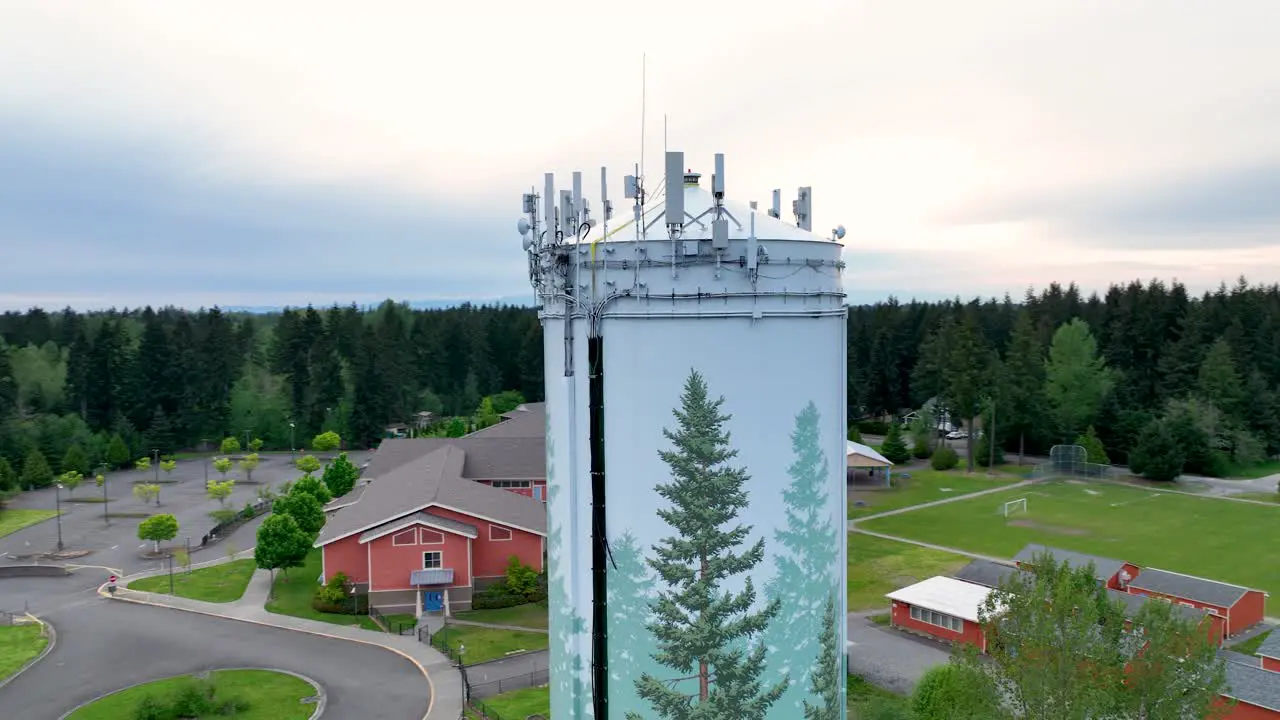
(1014,507)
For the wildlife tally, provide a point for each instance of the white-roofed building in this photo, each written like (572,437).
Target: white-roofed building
(864,458)
(941,607)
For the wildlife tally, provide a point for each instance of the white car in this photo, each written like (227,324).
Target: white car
(957,435)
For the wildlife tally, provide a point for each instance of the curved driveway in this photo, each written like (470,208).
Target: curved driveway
(104,645)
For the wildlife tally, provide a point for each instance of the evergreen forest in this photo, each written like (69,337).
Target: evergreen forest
(1168,380)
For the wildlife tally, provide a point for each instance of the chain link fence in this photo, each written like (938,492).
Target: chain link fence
(533,678)
(1070,461)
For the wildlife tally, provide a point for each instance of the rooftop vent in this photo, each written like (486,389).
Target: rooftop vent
(691,178)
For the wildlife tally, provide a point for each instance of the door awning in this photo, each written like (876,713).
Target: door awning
(438,576)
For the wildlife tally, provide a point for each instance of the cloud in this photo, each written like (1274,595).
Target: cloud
(1236,208)
(136,222)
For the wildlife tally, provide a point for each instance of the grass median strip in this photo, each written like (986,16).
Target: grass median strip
(19,645)
(268,695)
(11,521)
(219,584)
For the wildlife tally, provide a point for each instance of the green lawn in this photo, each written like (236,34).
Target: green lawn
(860,694)
(530,616)
(878,566)
(1262,497)
(520,704)
(271,696)
(11,521)
(19,644)
(219,583)
(487,643)
(1250,646)
(923,486)
(1201,536)
(292,596)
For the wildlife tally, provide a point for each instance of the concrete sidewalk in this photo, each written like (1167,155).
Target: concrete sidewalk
(444,680)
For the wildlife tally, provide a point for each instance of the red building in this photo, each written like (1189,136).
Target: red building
(1255,692)
(1236,608)
(1115,574)
(941,607)
(426,525)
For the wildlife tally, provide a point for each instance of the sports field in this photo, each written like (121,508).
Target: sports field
(1218,539)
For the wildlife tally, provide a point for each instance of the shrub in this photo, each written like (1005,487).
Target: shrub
(223,517)
(497,596)
(522,580)
(873,427)
(944,458)
(854,435)
(247,512)
(955,692)
(920,449)
(150,708)
(1092,444)
(332,596)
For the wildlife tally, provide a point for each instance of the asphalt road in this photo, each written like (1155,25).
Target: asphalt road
(103,646)
(889,658)
(116,545)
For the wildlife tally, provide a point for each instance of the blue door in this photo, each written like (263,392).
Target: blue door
(432,600)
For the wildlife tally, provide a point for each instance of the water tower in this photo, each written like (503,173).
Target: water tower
(690,290)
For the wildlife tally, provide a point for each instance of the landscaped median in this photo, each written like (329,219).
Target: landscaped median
(221,583)
(19,645)
(242,694)
(11,521)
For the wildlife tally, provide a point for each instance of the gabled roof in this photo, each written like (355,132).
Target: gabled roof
(1210,592)
(1251,684)
(945,595)
(1133,603)
(1271,646)
(420,518)
(866,451)
(488,458)
(985,572)
(1104,568)
(433,480)
(526,421)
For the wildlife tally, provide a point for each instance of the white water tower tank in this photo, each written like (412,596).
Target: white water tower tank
(762,319)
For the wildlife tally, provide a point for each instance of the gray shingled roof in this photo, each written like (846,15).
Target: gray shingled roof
(1132,603)
(1252,684)
(1210,592)
(1104,568)
(349,498)
(1271,646)
(420,517)
(432,479)
(488,458)
(527,421)
(985,572)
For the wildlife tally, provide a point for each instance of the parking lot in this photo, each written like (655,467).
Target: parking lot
(889,658)
(113,543)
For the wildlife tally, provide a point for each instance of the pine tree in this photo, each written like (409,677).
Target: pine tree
(970,375)
(1077,380)
(806,551)
(1023,405)
(1218,382)
(894,448)
(35,471)
(118,455)
(630,642)
(8,386)
(1093,446)
(696,623)
(8,478)
(825,681)
(75,460)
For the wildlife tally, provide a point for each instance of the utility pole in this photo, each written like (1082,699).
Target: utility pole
(292,445)
(246,441)
(207,460)
(991,440)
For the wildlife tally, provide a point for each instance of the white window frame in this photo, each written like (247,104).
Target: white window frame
(508,538)
(439,553)
(405,532)
(422,534)
(512,484)
(937,619)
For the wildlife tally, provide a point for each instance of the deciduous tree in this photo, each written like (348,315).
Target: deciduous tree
(326,442)
(220,490)
(340,476)
(308,464)
(248,464)
(313,486)
(303,508)
(157,529)
(70,480)
(281,544)
(229,445)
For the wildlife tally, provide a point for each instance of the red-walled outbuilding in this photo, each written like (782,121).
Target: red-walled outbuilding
(1255,692)
(1238,608)
(1114,574)
(942,607)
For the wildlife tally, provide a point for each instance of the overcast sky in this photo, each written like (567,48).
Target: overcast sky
(261,153)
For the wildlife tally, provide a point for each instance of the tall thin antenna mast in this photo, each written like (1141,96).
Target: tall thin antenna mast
(643,79)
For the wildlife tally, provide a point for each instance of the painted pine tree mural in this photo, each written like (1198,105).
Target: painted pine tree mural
(631,645)
(700,627)
(568,691)
(807,551)
(825,684)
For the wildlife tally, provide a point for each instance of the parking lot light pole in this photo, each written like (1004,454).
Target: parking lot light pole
(291,443)
(155,463)
(57,499)
(102,470)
